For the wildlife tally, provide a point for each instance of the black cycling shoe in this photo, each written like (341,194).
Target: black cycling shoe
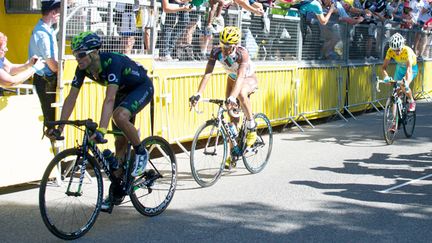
(108,203)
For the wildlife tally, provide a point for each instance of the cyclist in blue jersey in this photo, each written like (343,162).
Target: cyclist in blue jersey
(128,91)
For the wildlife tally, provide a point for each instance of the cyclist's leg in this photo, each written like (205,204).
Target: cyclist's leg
(250,84)
(408,82)
(399,74)
(229,87)
(120,140)
(134,102)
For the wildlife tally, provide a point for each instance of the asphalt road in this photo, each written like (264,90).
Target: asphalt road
(338,182)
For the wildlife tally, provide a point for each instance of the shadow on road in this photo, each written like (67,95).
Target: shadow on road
(401,169)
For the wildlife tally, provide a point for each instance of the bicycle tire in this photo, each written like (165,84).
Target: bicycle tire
(389,118)
(256,159)
(409,121)
(58,174)
(207,165)
(153,198)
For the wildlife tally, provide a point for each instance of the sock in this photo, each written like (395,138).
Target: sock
(139,149)
(250,124)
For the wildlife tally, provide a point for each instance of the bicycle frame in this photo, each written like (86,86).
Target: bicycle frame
(102,162)
(223,126)
(399,97)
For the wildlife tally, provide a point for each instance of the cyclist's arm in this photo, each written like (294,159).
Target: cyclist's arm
(409,72)
(108,105)
(68,105)
(70,100)
(384,68)
(206,77)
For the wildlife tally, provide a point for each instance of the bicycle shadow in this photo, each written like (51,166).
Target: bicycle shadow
(347,133)
(398,170)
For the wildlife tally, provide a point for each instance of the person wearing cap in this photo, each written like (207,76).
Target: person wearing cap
(43,43)
(13,74)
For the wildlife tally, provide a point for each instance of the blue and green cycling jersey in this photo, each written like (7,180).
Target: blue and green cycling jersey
(116,69)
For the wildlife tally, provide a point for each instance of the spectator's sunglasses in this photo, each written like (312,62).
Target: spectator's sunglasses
(82,54)
(227,46)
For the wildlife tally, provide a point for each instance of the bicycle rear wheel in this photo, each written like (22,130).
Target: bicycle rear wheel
(152,193)
(409,121)
(208,153)
(390,119)
(257,156)
(70,208)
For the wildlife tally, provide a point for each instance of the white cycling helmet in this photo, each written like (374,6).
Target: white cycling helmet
(397,41)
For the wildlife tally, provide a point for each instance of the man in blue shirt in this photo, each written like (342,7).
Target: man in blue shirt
(43,43)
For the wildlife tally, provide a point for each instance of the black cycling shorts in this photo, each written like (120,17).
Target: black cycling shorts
(134,100)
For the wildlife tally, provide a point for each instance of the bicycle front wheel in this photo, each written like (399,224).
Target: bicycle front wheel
(257,156)
(409,121)
(208,153)
(152,193)
(69,206)
(390,121)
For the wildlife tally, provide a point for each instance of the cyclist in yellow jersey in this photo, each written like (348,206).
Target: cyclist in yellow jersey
(406,67)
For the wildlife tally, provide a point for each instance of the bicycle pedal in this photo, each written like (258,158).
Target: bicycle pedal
(108,209)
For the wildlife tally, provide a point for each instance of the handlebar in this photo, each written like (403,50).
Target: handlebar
(392,81)
(87,123)
(56,134)
(235,112)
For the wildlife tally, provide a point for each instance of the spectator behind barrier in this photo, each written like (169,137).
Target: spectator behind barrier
(407,17)
(43,43)
(420,36)
(331,32)
(13,74)
(251,6)
(316,7)
(172,29)
(127,29)
(378,16)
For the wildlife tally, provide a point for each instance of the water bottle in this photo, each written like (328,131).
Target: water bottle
(233,130)
(111,159)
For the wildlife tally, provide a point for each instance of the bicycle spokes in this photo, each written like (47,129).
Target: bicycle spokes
(153,191)
(69,195)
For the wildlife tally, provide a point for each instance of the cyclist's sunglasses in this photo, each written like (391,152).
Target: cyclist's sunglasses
(227,46)
(82,54)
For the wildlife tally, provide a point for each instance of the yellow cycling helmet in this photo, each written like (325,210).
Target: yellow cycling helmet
(230,35)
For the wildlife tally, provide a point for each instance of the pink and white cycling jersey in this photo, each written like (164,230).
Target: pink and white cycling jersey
(232,62)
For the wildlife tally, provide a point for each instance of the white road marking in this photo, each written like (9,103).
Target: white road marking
(406,183)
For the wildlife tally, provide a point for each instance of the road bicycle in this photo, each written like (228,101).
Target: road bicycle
(71,190)
(209,149)
(396,112)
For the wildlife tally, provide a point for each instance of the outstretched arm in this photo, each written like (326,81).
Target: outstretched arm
(206,77)
(384,68)
(7,80)
(68,105)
